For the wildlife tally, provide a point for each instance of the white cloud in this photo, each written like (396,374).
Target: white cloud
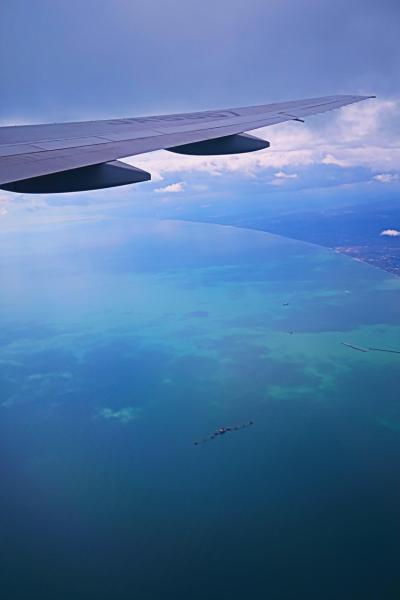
(281,177)
(386,177)
(330,159)
(4,199)
(391,232)
(173,188)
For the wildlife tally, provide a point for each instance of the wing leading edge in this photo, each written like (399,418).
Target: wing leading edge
(43,158)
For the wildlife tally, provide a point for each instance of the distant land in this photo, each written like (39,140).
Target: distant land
(355,231)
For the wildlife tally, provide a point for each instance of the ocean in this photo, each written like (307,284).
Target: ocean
(124,342)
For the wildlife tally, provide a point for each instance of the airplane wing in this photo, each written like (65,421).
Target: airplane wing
(63,157)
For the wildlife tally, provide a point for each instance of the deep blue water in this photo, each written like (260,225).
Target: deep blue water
(122,343)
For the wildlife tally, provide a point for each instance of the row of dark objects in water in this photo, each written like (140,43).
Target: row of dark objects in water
(222,431)
(353,346)
(361,349)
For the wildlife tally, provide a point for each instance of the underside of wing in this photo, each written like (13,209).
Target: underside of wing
(81,156)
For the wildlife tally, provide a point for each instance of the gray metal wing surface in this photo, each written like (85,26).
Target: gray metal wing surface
(39,157)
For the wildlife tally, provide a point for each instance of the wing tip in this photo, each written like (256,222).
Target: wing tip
(357,98)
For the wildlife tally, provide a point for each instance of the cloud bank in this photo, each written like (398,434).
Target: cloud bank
(363,135)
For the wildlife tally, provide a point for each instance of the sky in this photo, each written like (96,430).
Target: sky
(70,60)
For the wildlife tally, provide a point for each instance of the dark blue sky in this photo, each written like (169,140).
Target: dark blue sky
(72,59)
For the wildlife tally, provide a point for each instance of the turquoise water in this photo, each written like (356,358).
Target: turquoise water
(124,342)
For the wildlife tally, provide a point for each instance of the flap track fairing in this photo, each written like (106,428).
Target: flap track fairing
(94,177)
(229,144)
